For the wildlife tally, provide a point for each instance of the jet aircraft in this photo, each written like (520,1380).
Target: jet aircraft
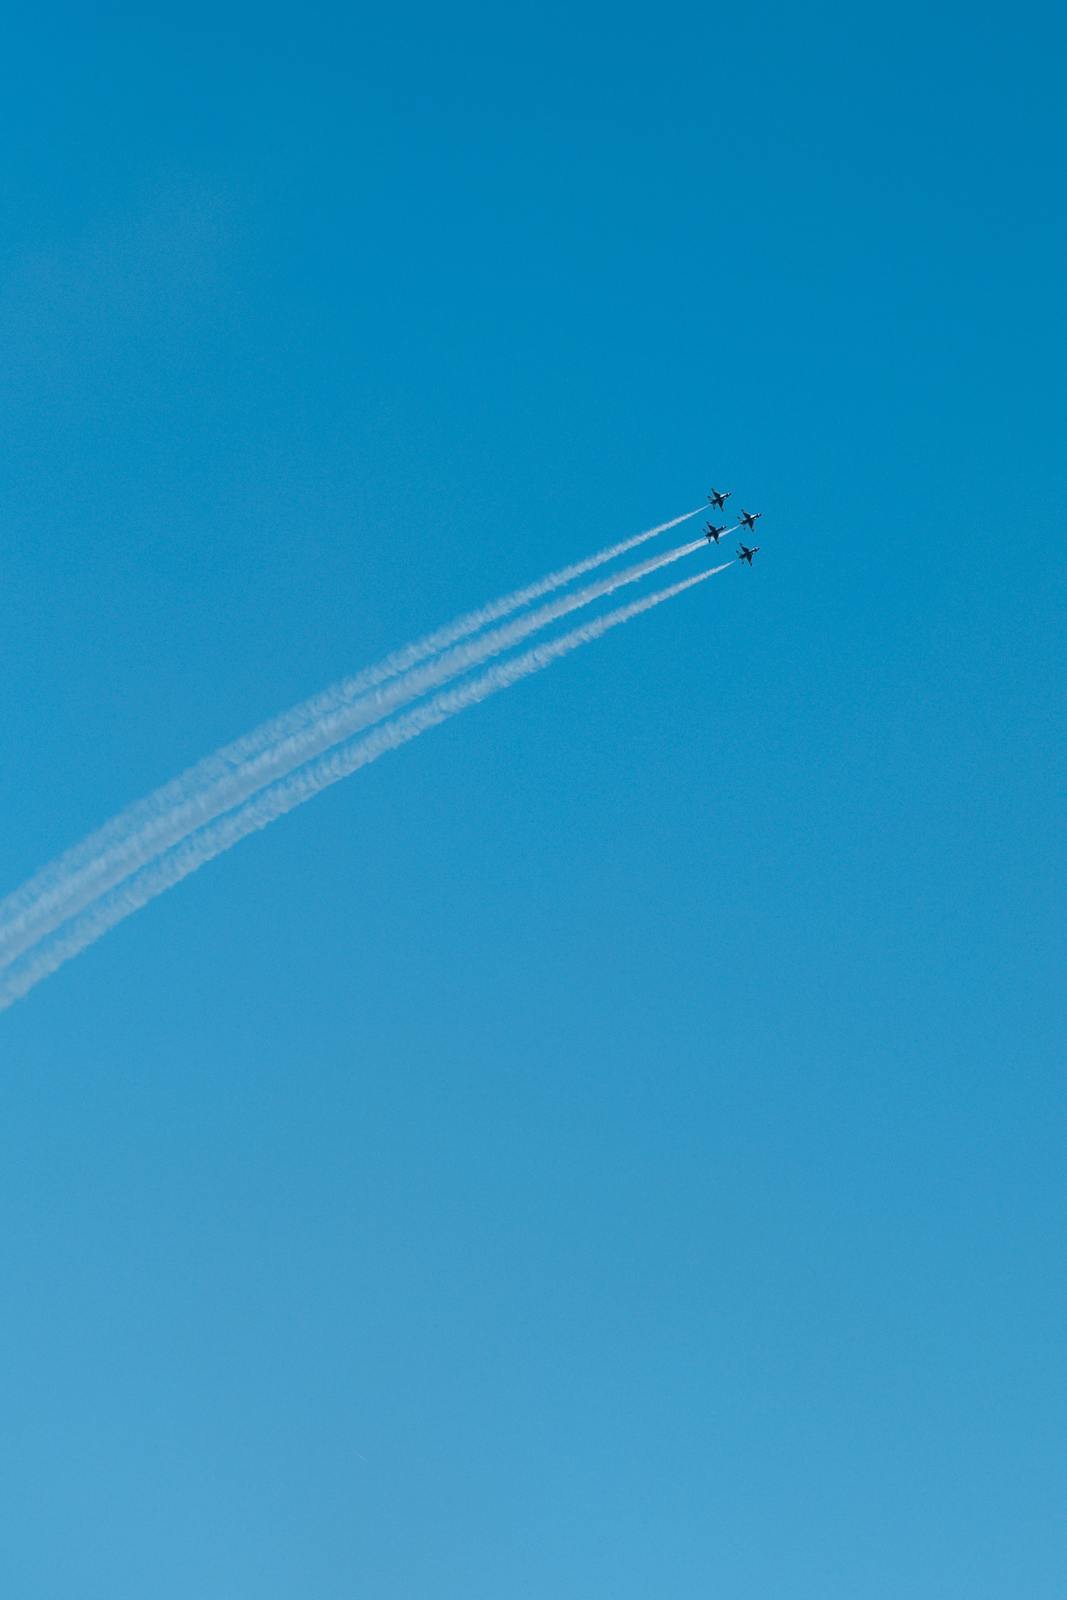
(718,498)
(745,554)
(713,534)
(750,518)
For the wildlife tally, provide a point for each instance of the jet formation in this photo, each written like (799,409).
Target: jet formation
(747,520)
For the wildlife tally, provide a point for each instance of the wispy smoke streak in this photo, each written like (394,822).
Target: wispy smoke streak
(135,837)
(302,785)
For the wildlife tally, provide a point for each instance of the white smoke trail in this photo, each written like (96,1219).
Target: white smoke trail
(293,790)
(131,849)
(50,885)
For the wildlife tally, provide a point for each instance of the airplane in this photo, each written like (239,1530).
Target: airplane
(713,534)
(745,554)
(718,498)
(750,518)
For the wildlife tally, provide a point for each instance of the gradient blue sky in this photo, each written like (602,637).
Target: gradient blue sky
(615,1145)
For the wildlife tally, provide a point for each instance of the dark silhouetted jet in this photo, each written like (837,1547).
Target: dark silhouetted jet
(713,534)
(745,554)
(718,498)
(749,518)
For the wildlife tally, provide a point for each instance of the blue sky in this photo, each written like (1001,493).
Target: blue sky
(614,1145)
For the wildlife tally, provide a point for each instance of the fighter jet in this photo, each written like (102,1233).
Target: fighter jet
(750,518)
(713,534)
(718,498)
(745,554)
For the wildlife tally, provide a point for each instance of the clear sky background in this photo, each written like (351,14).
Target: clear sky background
(615,1145)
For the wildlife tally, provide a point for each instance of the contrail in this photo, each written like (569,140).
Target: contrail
(297,787)
(130,846)
(58,877)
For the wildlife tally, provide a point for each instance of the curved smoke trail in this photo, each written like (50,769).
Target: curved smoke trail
(302,785)
(42,895)
(131,847)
